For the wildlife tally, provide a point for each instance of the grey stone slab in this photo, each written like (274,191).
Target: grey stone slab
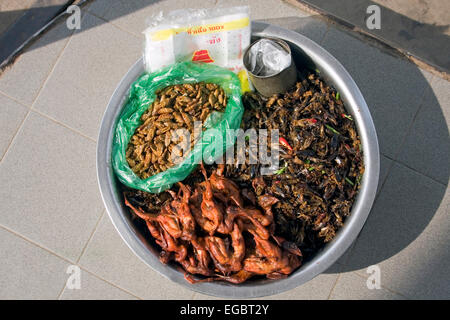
(392,87)
(351,286)
(101,7)
(312,27)
(28,272)
(318,288)
(266,9)
(110,258)
(25,77)
(93,288)
(427,146)
(11,116)
(424,11)
(407,236)
(10,11)
(31,21)
(419,27)
(51,196)
(385,166)
(87,73)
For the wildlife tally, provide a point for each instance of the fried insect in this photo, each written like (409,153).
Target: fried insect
(152,145)
(321,162)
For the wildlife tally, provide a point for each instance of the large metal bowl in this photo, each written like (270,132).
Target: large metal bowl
(305,53)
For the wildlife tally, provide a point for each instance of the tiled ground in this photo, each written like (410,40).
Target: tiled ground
(51,103)
(10,11)
(418,27)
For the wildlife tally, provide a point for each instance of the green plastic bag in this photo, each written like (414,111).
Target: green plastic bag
(142,94)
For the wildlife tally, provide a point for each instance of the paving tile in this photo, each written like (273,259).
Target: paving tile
(265,9)
(93,288)
(132,15)
(25,77)
(385,165)
(28,272)
(52,195)
(109,257)
(95,60)
(318,288)
(407,236)
(10,11)
(101,7)
(309,26)
(11,116)
(416,26)
(351,286)
(427,146)
(393,88)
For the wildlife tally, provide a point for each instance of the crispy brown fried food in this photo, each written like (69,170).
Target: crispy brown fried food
(266,202)
(204,223)
(225,187)
(250,222)
(236,278)
(285,264)
(151,148)
(179,249)
(267,249)
(321,161)
(224,259)
(201,252)
(211,233)
(181,206)
(139,212)
(210,208)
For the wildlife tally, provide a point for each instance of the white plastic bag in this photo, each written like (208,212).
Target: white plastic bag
(218,36)
(267,58)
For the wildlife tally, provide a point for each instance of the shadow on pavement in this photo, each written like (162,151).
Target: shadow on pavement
(427,41)
(416,160)
(19,26)
(424,40)
(29,21)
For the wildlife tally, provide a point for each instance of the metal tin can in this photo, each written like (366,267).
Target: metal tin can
(279,82)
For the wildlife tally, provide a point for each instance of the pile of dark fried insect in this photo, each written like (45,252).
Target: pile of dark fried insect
(152,148)
(321,163)
(218,232)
